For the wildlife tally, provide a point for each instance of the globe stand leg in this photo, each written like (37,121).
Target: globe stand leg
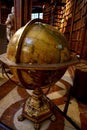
(36,109)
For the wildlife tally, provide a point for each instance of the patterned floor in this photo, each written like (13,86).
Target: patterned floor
(12,98)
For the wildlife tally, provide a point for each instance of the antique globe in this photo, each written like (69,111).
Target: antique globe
(37,44)
(38,56)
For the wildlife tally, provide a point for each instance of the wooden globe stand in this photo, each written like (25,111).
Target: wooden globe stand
(37,109)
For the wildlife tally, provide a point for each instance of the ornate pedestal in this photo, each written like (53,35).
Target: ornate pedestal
(37,109)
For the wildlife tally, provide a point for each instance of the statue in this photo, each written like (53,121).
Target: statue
(10,24)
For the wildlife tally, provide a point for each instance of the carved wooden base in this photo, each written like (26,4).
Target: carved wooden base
(37,109)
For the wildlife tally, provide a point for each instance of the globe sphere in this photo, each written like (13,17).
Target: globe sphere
(37,43)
